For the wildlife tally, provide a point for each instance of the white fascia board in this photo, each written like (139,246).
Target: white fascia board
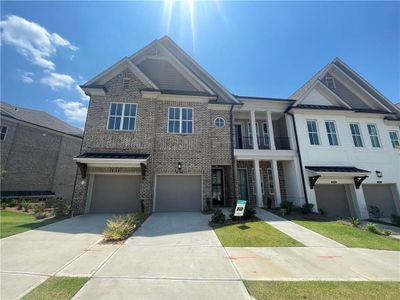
(340,174)
(110,162)
(105,72)
(274,106)
(331,93)
(93,91)
(140,74)
(335,68)
(172,97)
(250,154)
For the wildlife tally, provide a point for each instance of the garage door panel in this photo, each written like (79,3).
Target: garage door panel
(115,194)
(380,195)
(178,193)
(332,199)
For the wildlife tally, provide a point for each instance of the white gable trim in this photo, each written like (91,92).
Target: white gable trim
(360,87)
(117,68)
(326,89)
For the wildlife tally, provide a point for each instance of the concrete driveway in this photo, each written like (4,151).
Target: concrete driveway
(29,258)
(172,256)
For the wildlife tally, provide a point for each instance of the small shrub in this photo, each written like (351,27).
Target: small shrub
(218,217)
(121,227)
(374,212)
(354,221)
(321,211)
(371,227)
(60,208)
(395,219)
(4,205)
(386,232)
(286,205)
(37,207)
(13,203)
(307,208)
(249,213)
(25,206)
(40,215)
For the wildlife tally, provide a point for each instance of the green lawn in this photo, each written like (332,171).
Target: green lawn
(12,222)
(254,234)
(351,237)
(323,290)
(57,288)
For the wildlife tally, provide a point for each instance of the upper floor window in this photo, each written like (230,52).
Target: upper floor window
(356,134)
(3,132)
(373,134)
(180,120)
(313,132)
(394,137)
(219,122)
(265,134)
(122,116)
(332,134)
(330,82)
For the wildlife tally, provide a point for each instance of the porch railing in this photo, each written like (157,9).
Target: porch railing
(246,142)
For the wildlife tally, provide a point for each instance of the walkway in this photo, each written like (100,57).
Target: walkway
(305,236)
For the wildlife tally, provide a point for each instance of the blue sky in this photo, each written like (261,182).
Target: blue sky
(252,48)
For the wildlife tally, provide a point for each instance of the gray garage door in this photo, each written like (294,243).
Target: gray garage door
(178,193)
(380,195)
(332,199)
(115,194)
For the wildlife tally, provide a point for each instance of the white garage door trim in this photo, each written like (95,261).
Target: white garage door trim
(91,181)
(175,174)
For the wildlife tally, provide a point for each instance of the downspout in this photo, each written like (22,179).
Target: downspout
(299,154)
(233,155)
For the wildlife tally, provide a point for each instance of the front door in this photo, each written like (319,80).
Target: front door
(238,136)
(242,180)
(217,187)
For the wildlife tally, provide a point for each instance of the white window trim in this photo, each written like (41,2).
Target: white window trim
(270,178)
(308,132)
(122,117)
(336,133)
(216,120)
(250,133)
(5,133)
(361,136)
(180,120)
(254,181)
(397,136)
(377,135)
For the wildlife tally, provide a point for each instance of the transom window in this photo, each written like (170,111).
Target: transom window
(313,132)
(373,134)
(394,138)
(180,120)
(356,134)
(219,122)
(122,116)
(331,132)
(3,132)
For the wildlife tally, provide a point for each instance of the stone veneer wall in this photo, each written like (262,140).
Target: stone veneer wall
(197,152)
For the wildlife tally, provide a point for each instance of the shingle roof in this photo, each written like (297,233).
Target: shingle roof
(38,117)
(116,155)
(336,169)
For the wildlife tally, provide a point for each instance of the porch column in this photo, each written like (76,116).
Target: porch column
(270,130)
(257,182)
(290,132)
(359,201)
(277,186)
(253,129)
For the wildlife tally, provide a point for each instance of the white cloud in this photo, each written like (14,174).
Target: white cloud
(57,80)
(32,40)
(27,77)
(82,94)
(74,111)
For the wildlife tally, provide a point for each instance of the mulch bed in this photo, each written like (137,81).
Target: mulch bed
(298,215)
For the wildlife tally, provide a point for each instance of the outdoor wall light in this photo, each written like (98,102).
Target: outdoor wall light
(378,174)
(83,182)
(179,168)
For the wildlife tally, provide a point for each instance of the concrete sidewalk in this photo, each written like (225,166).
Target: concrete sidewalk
(305,236)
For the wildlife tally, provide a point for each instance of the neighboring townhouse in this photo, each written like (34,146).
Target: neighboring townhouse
(37,153)
(348,135)
(163,135)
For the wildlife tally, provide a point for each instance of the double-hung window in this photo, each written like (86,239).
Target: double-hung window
(122,116)
(3,132)
(373,134)
(313,132)
(265,134)
(394,138)
(356,134)
(332,133)
(180,120)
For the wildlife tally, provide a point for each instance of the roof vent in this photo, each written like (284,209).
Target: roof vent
(330,82)
(126,82)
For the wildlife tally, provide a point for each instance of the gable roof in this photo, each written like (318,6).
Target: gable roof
(337,64)
(39,118)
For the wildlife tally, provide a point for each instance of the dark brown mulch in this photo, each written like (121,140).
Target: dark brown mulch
(298,215)
(232,221)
